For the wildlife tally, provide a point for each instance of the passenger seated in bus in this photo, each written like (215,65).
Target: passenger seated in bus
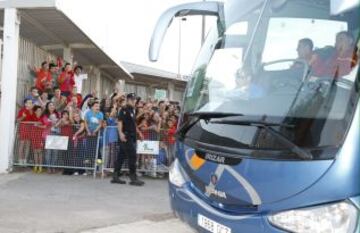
(305,52)
(336,61)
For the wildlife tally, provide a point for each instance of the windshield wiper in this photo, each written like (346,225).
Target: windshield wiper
(197,116)
(303,154)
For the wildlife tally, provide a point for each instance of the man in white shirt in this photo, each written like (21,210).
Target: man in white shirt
(79,77)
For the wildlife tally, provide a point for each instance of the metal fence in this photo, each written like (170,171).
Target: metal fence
(49,148)
(154,153)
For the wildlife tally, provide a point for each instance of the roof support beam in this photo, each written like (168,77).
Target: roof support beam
(72,46)
(52,47)
(105,66)
(82,46)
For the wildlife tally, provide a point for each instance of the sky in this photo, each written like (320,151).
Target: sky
(123,29)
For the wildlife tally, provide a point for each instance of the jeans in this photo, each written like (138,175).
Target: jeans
(51,157)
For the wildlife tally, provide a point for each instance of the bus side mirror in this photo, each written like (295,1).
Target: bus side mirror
(196,8)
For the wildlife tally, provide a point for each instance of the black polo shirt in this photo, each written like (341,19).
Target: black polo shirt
(128,118)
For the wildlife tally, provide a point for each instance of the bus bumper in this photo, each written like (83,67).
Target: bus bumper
(187,206)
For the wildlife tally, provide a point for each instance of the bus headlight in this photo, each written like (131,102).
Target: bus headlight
(332,218)
(176,175)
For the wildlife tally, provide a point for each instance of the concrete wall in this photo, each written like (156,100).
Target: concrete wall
(140,90)
(146,91)
(31,55)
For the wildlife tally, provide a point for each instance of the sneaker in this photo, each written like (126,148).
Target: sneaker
(117,181)
(137,183)
(85,174)
(76,173)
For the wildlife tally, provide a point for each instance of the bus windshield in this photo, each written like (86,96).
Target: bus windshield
(295,64)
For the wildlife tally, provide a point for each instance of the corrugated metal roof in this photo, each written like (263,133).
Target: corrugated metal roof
(47,27)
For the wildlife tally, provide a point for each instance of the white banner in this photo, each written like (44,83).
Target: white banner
(148,147)
(55,142)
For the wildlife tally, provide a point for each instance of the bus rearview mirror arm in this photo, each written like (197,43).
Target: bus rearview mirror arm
(196,8)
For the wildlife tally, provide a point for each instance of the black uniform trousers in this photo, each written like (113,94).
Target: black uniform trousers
(127,151)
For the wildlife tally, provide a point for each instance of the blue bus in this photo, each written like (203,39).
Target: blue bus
(268,139)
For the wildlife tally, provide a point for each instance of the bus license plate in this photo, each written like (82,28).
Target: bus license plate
(211,225)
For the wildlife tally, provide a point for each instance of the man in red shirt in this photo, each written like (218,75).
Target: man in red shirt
(24,118)
(66,80)
(338,61)
(43,79)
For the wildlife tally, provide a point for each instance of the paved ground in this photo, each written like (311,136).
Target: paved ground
(68,204)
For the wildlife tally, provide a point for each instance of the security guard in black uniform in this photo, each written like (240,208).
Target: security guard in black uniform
(127,131)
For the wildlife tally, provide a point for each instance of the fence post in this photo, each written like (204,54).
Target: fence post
(96,154)
(11,159)
(104,158)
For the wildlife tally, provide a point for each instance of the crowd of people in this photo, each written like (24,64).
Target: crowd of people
(55,105)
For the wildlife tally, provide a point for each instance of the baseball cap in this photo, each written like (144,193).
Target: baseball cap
(131,96)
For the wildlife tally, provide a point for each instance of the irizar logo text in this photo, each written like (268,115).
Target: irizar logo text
(215,158)
(210,190)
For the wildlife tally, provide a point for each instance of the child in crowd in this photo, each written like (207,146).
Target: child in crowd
(50,119)
(37,139)
(111,137)
(24,118)
(79,143)
(143,125)
(93,124)
(64,124)
(171,140)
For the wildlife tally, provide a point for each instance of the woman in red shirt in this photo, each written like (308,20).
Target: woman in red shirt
(66,80)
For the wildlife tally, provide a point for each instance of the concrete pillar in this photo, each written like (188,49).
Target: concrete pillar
(98,83)
(67,55)
(151,92)
(120,85)
(171,90)
(9,87)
